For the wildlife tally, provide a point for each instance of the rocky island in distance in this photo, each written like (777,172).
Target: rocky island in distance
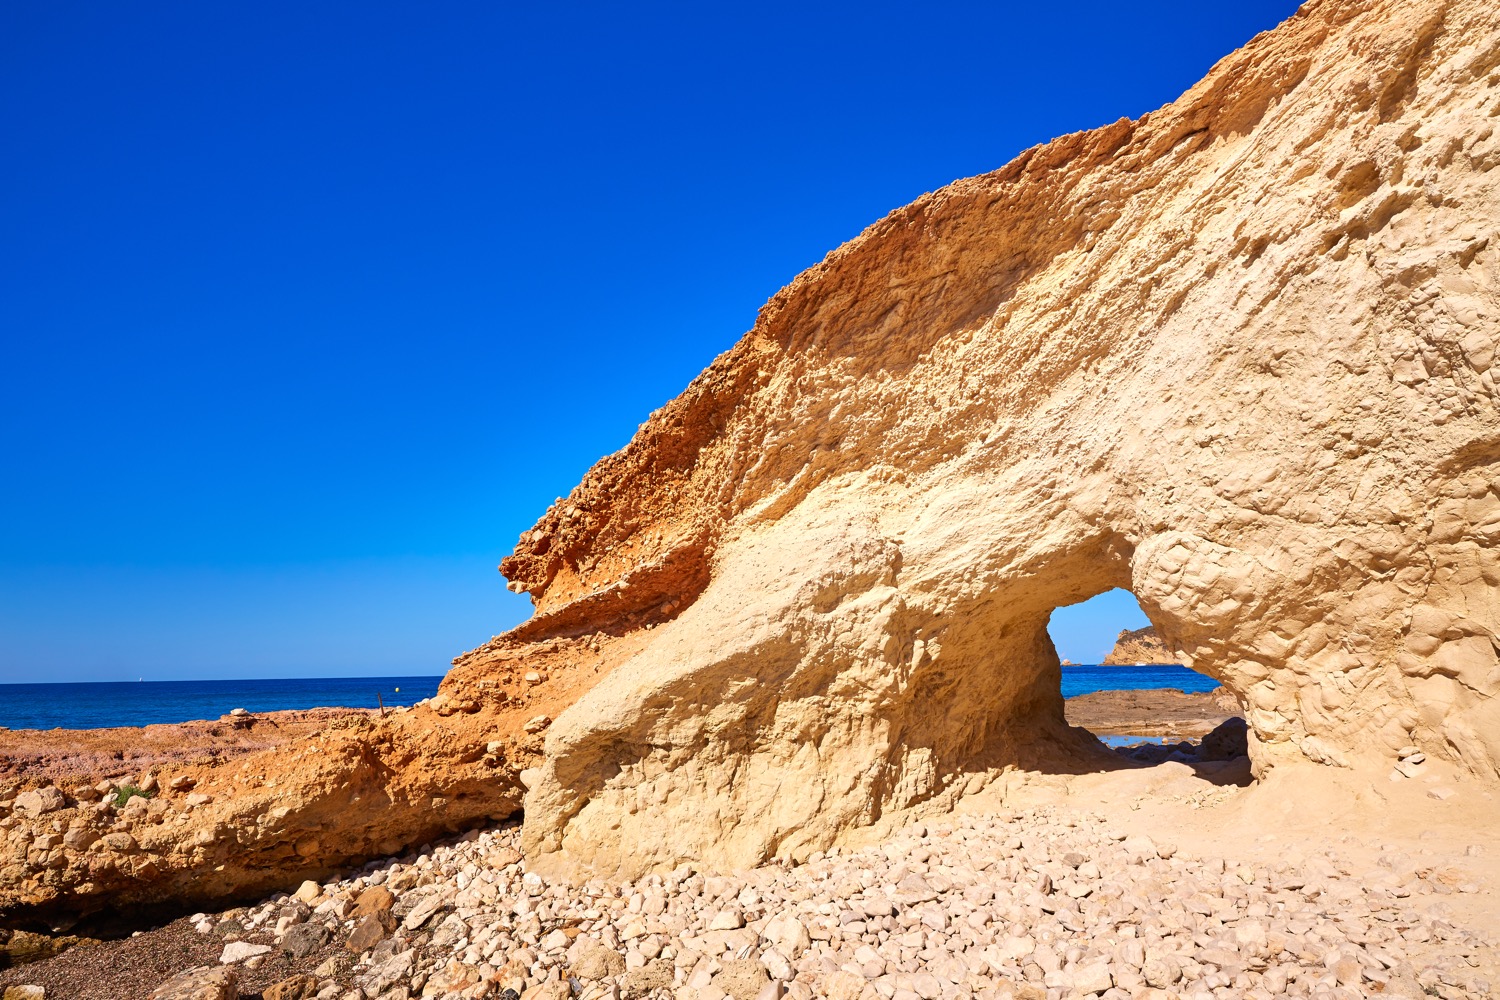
(786,721)
(1139,647)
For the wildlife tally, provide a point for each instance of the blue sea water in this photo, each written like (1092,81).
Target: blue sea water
(99,705)
(1132,741)
(1087,678)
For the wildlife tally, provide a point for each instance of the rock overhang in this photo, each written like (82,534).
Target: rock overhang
(1234,357)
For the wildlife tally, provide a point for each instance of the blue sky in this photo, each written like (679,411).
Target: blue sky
(308,310)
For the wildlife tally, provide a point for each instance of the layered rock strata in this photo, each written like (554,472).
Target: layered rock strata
(1235,356)
(218,823)
(119,852)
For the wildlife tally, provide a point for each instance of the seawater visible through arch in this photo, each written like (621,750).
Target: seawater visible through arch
(1175,709)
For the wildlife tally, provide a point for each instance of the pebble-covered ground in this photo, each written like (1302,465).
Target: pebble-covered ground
(1042,904)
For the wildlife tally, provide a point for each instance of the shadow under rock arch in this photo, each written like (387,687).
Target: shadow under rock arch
(985,681)
(1215,755)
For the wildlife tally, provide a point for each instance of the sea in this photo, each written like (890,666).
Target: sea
(1087,678)
(142,703)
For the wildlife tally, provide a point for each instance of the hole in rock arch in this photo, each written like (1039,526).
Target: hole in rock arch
(1121,683)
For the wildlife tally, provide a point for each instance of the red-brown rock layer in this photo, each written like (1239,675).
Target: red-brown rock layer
(1236,356)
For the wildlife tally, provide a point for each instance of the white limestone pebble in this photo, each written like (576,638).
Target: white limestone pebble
(239,951)
(1018,905)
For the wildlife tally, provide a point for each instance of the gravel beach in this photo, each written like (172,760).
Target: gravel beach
(1047,902)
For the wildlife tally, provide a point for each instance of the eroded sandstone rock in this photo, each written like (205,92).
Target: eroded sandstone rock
(364,786)
(1235,356)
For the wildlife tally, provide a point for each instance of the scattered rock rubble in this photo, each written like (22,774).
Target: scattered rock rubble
(1036,905)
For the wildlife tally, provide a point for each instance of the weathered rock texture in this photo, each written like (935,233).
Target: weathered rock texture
(224,823)
(1235,356)
(1140,645)
(359,788)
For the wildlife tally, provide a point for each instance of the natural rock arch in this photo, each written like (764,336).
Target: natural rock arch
(1235,356)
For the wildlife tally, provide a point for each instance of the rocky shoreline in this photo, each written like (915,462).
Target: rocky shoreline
(234,816)
(1152,712)
(1061,894)
(33,757)
(88,815)
(1049,896)
(786,719)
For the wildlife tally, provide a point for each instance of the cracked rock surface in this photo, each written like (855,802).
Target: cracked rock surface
(1236,356)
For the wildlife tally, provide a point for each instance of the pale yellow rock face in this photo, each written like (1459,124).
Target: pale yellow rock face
(1235,356)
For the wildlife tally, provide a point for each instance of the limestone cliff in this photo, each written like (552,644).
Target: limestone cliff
(1140,645)
(1235,356)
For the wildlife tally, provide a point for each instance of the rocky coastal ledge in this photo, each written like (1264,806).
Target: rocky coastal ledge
(1137,885)
(29,757)
(88,809)
(1152,712)
(1236,356)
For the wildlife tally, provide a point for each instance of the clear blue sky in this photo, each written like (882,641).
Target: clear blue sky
(309,309)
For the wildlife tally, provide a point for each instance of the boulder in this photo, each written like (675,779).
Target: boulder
(238,951)
(654,975)
(1091,979)
(369,930)
(548,991)
(24,947)
(204,983)
(426,908)
(299,987)
(742,978)
(376,901)
(120,842)
(788,935)
(1227,741)
(590,959)
(334,966)
(40,800)
(304,939)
